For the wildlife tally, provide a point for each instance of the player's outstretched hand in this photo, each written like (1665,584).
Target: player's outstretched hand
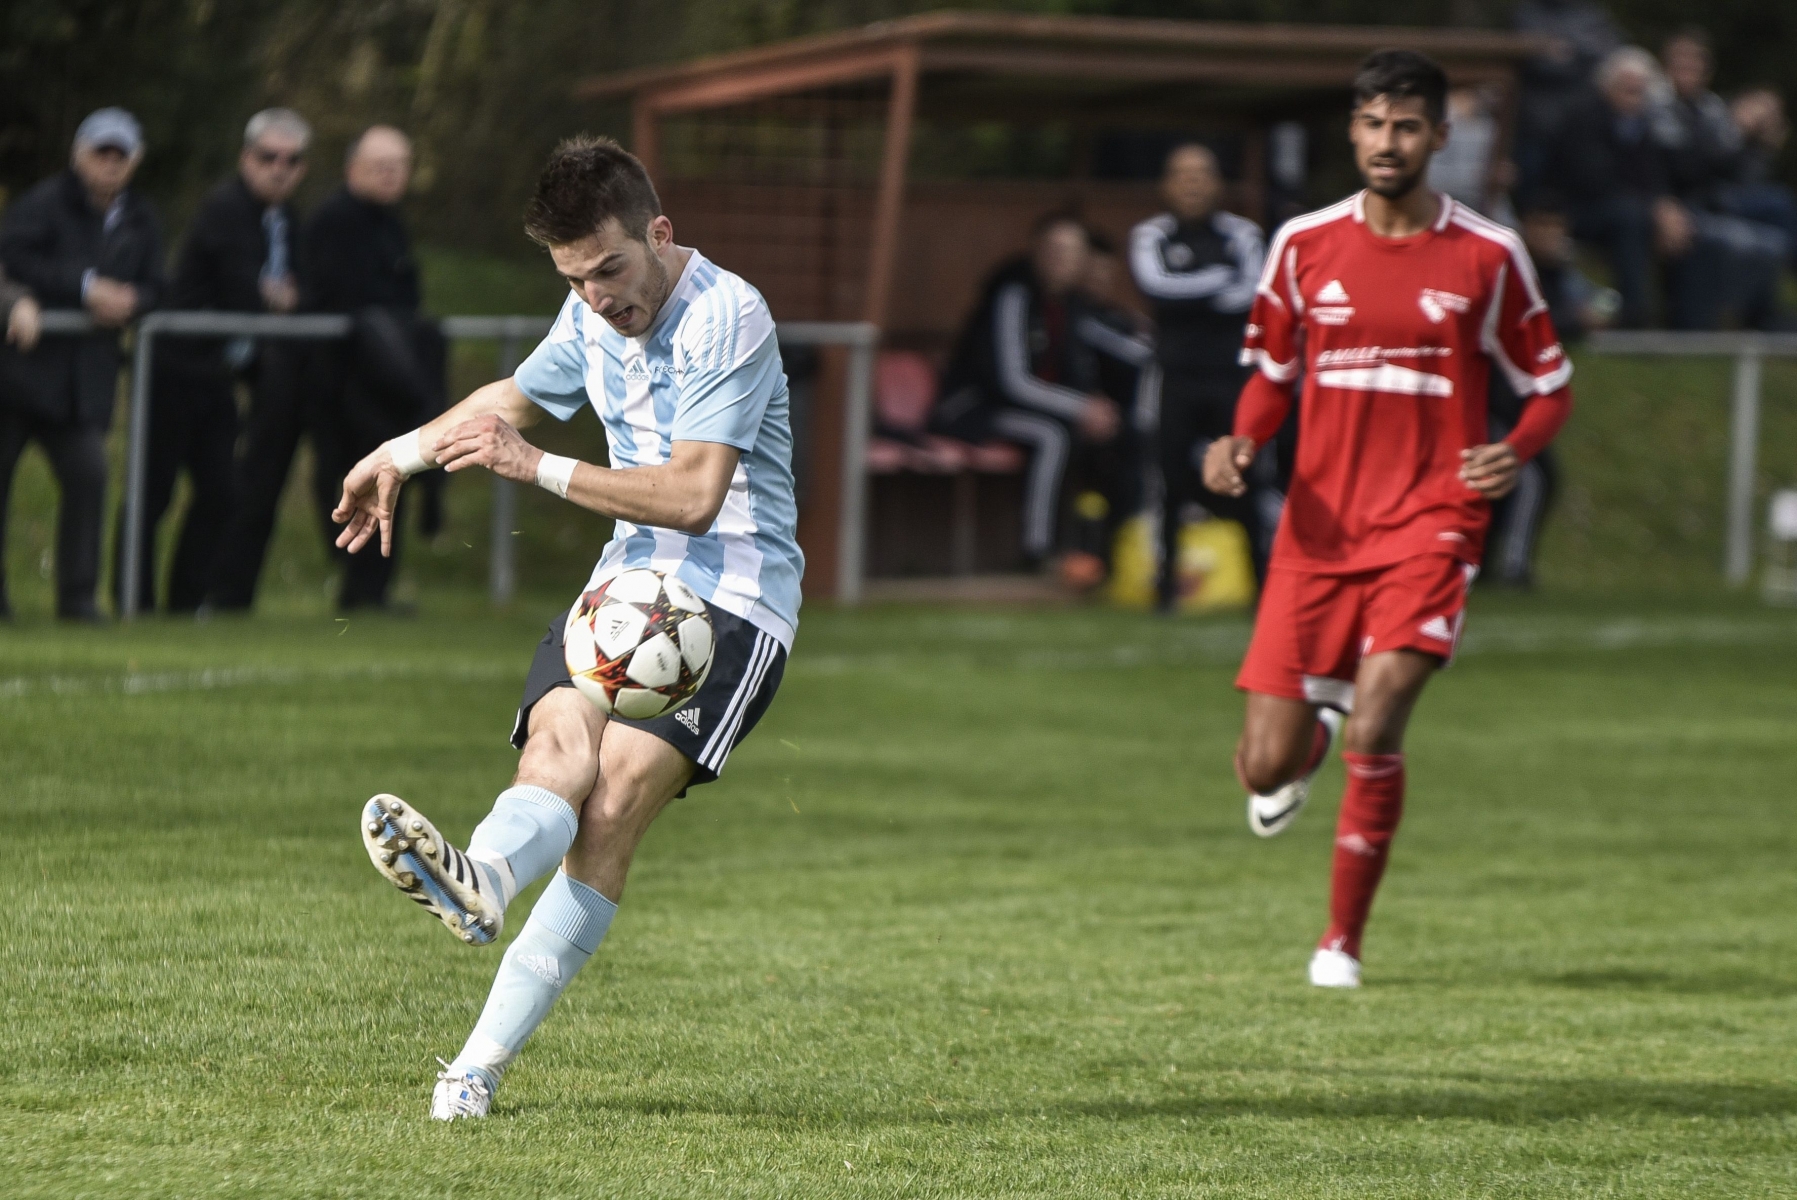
(369,492)
(1490,470)
(1224,463)
(491,442)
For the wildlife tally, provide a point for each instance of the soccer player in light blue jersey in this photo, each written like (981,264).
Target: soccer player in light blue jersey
(679,359)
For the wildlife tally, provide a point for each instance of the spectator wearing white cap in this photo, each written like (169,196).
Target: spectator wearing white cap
(80,239)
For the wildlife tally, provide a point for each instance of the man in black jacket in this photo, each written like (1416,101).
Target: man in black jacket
(389,376)
(1022,371)
(238,256)
(1733,269)
(1199,266)
(81,239)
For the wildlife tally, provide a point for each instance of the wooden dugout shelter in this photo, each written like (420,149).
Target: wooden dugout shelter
(853,176)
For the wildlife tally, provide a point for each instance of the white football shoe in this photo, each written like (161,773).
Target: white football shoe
(408,850)
(461,1096)
(1334,969)
(1271,814)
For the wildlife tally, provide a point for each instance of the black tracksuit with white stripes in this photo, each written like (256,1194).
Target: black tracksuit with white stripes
(1022,370)
(1200,276)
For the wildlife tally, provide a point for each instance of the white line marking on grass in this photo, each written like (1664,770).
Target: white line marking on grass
(1224,644)
(140,683)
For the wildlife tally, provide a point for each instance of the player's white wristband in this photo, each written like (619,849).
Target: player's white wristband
(407,453)
(555,473)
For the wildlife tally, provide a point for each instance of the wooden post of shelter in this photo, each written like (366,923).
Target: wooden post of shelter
(901,107)
(645,135)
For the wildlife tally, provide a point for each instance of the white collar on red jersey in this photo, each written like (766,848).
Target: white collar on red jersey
(1441,220)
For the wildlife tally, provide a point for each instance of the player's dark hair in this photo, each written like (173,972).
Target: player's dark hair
(1400,74)
(587,182)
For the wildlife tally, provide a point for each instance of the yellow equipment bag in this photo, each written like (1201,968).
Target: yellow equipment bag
(1216,570)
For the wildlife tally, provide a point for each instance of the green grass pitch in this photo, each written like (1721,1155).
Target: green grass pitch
(974,913)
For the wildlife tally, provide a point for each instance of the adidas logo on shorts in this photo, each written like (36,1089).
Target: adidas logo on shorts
(1437,628)
(689,717)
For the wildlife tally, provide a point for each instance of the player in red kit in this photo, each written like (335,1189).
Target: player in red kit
(1394,305)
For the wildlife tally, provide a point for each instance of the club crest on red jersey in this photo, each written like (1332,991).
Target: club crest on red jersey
(1437,304)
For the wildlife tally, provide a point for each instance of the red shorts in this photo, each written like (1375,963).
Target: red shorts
(1313,630)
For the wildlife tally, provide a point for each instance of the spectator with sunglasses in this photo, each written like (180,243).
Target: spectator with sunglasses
(238,256)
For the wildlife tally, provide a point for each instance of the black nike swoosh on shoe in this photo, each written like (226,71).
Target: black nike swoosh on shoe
(1290,808)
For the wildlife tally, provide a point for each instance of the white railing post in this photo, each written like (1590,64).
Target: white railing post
(1743,454)
(857,419)
(1749,350)
(502,558)
(137,459)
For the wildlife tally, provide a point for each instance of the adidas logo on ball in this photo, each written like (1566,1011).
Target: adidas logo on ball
(639,644)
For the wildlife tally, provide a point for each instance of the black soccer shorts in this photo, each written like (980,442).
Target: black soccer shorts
(746,667)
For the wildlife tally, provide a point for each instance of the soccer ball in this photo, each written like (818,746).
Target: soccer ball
(639,645)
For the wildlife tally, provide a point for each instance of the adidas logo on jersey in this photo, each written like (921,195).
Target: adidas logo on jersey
(638,371)
(689,717)
(1333,293)
(1437,628)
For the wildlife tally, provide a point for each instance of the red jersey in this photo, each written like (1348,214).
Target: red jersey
(1396,339)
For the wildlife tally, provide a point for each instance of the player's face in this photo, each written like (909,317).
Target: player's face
(1393,141)
(620,277)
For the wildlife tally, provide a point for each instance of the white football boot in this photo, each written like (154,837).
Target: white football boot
(408,850)
(460,1097)
(1334,969)
(1271,814)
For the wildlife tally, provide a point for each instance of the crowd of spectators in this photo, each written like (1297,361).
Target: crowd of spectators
(84,239)
(1623,162)
(1667,183)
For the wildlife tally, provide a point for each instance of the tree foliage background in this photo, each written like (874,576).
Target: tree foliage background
(484,85)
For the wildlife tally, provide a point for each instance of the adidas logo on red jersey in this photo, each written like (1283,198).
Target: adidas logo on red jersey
(1333,293)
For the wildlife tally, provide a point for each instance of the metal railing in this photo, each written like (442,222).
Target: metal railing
(1749,350)
(860,338)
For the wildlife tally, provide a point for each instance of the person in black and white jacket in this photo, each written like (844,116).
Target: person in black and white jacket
(1198,266)
(1026,369)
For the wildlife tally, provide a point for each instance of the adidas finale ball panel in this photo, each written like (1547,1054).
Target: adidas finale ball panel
(639,645)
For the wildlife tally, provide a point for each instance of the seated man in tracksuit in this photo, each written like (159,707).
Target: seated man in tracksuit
(1030,367)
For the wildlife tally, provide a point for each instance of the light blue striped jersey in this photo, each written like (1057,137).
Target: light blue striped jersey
(707,370)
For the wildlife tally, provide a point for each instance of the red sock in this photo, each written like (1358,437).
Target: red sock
(1370,810)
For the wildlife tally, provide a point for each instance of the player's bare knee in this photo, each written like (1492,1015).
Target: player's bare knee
(629,794)
(564,740)
(1267,763)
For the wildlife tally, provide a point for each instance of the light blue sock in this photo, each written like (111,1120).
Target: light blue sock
(525,837)
(564,930)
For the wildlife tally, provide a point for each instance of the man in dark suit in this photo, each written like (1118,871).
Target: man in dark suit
(388,376)
(238,256)
(81,239)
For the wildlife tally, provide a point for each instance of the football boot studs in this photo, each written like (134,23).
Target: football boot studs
(407,849)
